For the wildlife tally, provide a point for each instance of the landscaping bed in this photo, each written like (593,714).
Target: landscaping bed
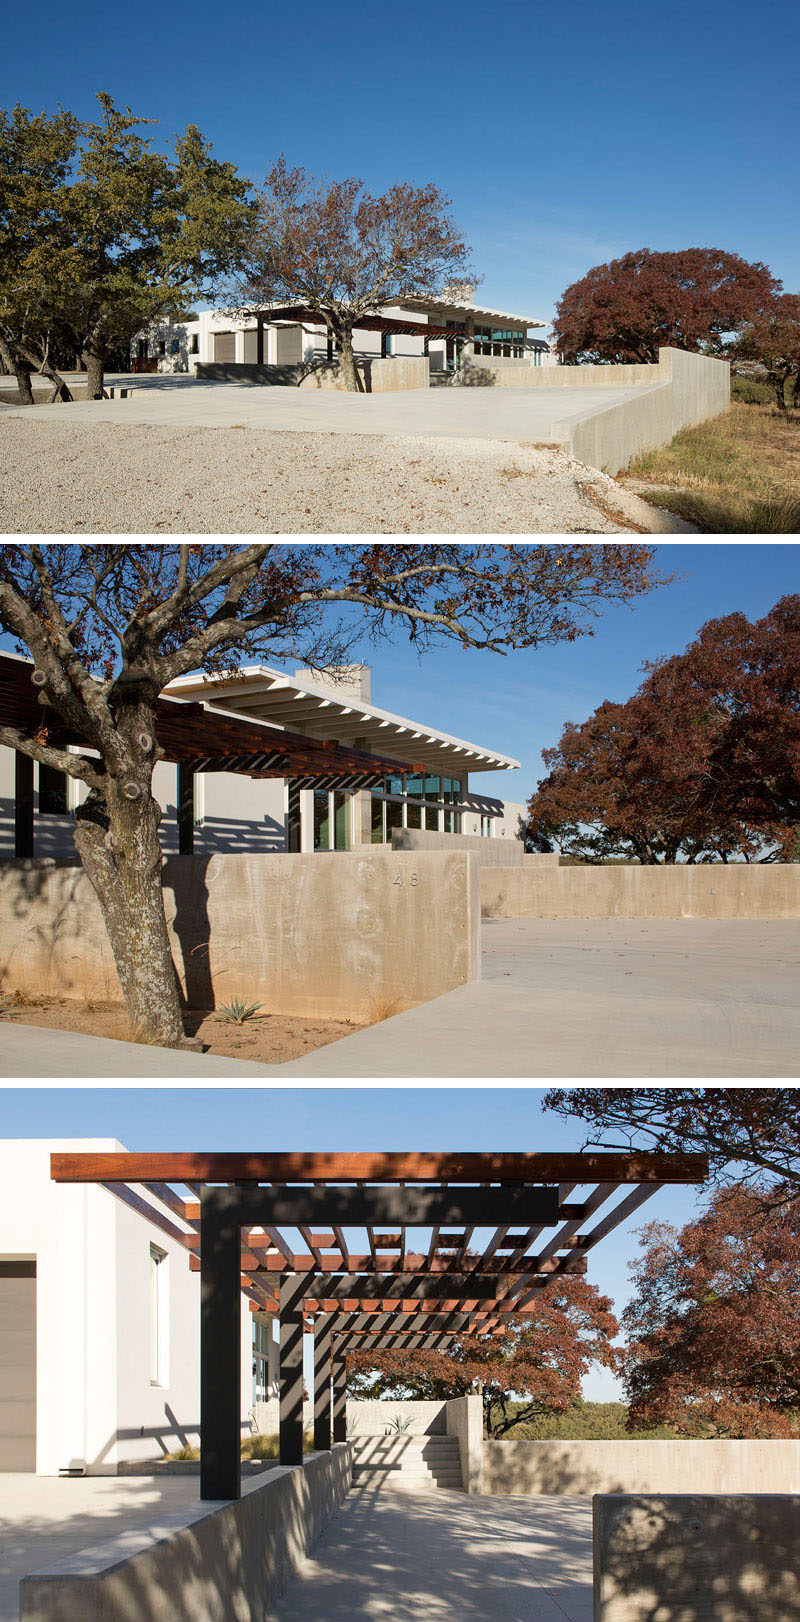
(263,1039)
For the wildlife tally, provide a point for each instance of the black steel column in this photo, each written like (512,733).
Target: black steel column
(339,1365)
(220,1347)
(293,840)
(293,1287)
(260,340)
(323,1331)
(23,805)
(185,808)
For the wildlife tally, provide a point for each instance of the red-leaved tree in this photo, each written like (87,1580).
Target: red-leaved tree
(702,763)
(539,1358)
(714,1326)
(628,309)
(773,340)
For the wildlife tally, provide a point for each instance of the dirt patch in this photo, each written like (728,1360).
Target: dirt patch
(264,1039)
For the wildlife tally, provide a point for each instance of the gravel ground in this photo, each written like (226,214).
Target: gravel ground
(96,478)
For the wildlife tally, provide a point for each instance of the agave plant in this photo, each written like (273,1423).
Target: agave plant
(238,1010)
(399,1425)
(7,1009)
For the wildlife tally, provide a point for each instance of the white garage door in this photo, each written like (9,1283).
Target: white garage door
(17,1365)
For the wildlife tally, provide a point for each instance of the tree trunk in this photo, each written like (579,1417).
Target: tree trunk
(117,840)
(779,383)
(796,392)
(94,376)
(347,359)
(22,373)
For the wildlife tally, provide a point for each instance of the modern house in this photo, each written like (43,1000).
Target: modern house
(449,331)
(100,1323)
(234,812)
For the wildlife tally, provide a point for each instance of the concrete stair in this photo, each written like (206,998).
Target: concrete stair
(414,1463)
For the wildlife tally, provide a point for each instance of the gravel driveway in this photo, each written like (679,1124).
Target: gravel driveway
(60,477)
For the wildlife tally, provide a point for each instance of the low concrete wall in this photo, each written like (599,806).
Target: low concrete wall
(378,375)
(640,1467)
(331,934)
(692,1558)
(683,389)
(507,852)
(372,1418)
(464,1417)
(207,1563)
(738,890)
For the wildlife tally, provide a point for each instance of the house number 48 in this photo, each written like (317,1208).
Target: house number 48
(413,879)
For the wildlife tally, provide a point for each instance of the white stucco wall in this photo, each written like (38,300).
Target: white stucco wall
(95,1403)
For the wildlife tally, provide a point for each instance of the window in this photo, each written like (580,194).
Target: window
(159,1317)
(486,827)
(162,346)
(52,792)
(341,821)
(394,817)
(195,347)
(378,835)
(322,821)
(413,816)
(431,817)
(262,1334)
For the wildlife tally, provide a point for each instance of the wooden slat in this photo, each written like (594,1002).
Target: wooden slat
(588,1167)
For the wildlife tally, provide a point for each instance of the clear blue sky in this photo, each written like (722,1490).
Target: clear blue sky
(566,135)
(377,1118)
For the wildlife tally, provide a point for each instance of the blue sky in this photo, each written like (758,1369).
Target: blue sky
(566,135)
(376,1118)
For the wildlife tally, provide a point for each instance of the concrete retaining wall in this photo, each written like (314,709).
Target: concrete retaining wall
(207,1563)
(372,1418)
(334,934)
(465,1421)
(683,389)
(692,1558)
(640,1467)
(714,891)
(378,375)
(489,852)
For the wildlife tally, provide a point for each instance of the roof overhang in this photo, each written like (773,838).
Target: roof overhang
(282,700)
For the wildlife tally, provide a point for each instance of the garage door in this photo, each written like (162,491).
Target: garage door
(225,347)
(17,1365)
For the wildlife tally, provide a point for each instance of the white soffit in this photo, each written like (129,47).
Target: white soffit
(325,712)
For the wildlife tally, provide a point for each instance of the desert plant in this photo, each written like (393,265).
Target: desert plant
(398,1426)
(237,1011)
(7,1009)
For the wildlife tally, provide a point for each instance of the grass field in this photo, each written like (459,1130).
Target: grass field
(736,475)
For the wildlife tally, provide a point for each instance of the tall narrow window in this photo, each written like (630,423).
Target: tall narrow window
(52,791)
(159,1317)
(322,821)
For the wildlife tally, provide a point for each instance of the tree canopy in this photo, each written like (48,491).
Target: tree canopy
(701,764)
(752,1132)
(772,339)
(109,626)
(344,253)
(714,1326)
(540,1359)
(101,234)
(689,299)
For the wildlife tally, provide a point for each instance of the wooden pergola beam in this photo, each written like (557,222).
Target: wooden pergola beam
(254,1167)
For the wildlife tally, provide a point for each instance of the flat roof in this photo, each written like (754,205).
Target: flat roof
(324,710)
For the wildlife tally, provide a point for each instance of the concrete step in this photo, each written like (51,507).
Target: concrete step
(422,1463)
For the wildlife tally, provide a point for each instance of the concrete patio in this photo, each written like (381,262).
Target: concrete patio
(559,997)
(431,1557)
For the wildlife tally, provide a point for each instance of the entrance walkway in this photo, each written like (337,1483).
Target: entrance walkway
(444,1557)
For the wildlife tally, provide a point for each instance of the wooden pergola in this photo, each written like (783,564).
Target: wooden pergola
(453,1241)
(198,737)
(386,325)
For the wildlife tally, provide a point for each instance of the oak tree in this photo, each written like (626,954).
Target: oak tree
(630,308)
(752,1133)
(528,1366)
(345,253)
(772,339)
(109,626)
(702,763)
(714,1326)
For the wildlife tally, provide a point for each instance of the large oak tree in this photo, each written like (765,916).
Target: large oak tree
(108,626)
(531,1365)
(344,254)
(714,1325)
(630,308)
(702,763)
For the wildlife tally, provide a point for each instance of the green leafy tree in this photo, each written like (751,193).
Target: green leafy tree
(128,235)
(37,154)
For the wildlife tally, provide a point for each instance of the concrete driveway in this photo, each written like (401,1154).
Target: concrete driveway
(400,1556)
(508,414)
(44,1519)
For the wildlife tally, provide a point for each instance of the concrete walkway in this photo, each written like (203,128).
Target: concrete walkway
(588,998)
(44,1519)
(504,413)
(445,1557)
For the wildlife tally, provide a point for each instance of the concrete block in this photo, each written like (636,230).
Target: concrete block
(716,890)
(633,1466)
(492,852)
(696,1558)
(465,1421)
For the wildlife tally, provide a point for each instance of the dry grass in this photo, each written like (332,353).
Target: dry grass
(738,474)
(253,1447)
